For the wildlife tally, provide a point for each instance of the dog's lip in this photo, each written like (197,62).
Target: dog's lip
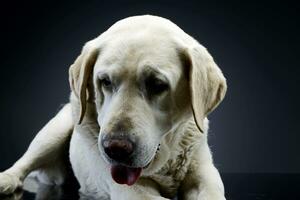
(147,165)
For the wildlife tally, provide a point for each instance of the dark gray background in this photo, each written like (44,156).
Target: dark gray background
(256,45)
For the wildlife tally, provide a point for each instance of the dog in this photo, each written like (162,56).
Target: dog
(136,125)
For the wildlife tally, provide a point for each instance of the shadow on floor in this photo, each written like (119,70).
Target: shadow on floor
(237,186)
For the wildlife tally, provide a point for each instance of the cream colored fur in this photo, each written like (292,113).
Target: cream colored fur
(177,121)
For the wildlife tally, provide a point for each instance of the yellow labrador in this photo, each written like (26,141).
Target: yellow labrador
(136,121)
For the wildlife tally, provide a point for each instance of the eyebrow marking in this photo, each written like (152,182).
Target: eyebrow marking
(153,71)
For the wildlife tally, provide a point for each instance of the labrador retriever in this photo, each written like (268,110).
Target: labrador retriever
(136,125)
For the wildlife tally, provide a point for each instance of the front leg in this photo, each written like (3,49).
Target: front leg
(144,189)
(202,181)
(45,150)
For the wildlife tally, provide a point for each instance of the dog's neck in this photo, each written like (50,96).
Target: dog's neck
(171,163)
(182,138)
(182,131)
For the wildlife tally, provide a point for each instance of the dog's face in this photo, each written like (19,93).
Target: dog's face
(145,81)
(141,92)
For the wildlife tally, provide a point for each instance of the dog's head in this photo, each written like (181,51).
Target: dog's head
(145,76)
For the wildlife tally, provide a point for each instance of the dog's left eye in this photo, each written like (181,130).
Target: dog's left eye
(156,86)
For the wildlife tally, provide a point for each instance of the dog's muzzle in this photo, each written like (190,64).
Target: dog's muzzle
(120,151)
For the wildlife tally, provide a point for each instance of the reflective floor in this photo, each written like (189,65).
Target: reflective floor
(238,187)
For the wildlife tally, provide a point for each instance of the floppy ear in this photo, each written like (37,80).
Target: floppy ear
(207,83)
(80,74)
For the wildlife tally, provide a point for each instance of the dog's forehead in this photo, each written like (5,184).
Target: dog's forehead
(135,43)
(148,23)
(135,53)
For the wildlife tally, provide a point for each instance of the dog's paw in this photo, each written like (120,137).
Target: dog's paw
(9,183)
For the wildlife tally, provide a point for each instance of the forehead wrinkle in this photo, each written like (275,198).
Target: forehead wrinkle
(117,73)
(113,66)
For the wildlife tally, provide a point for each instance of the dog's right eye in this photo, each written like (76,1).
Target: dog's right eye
(106,83)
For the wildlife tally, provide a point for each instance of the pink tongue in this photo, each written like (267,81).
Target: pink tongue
(125,175)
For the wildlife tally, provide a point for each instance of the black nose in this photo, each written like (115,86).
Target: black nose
(118,149)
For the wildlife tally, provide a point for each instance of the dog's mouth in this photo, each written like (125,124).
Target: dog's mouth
(125,175)
(122,174)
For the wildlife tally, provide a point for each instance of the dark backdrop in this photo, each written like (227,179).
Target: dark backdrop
(256,45)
